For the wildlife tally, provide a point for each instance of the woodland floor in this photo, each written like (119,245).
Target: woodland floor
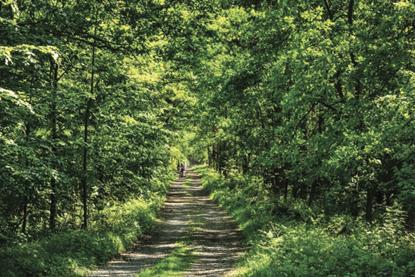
(189,219)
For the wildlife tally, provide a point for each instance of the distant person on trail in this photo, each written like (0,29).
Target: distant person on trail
(182,170)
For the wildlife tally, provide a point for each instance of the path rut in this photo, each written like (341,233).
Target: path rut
(188,215)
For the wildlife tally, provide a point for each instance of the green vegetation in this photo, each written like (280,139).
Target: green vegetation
(291,239)
(306,110)
(316,98)
(71,253)
(91,113)
(307,114)
(173,265)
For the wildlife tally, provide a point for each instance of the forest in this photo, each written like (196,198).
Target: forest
(300,115)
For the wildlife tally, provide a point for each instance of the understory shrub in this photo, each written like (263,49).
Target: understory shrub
(71,253)
(290,238)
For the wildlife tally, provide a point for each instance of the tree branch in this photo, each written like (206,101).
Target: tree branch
(326,4)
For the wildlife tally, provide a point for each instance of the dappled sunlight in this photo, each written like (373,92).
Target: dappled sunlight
(168,137)
(189,216)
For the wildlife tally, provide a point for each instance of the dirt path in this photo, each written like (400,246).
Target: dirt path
(189,216)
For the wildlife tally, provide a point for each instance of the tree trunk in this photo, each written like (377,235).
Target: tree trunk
(209,152)
(53,127)
(25,213)
(312,193)
(285,190)
(84,181)
(370,194)
(245,163)
(84,169)
(350,13)
(26,193)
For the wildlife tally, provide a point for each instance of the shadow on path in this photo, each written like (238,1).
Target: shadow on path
(188,216)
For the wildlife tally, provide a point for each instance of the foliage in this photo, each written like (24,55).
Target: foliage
(316,98)
(312,102)
(90,108)
(70,253)
(291,240)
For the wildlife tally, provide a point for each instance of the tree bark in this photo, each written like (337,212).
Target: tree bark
(350,19)
(26,193)
(285,190)
(53,128)
(369,203)
(350,12)
(84,181)
(85,148)
(327,6)
(312,193)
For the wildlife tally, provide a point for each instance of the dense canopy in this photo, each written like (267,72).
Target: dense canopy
(311,103)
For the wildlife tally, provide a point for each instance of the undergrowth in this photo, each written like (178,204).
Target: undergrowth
(289,238)
(73,253)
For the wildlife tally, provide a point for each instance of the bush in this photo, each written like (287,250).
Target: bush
(290,238)
(301,250)
(24,260)
(71,253)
